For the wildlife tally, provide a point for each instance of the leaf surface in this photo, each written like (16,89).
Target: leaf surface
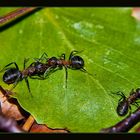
(109,39)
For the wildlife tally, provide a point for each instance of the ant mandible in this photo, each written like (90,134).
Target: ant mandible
(125,102)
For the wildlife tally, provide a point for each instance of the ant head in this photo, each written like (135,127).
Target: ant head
(52,61)
(77,62)
(11,75)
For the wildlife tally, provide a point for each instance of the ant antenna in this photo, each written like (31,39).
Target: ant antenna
(25,61)
(74,51)
(9,65)
(85,71)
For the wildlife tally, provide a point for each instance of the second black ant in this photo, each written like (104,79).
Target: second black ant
(125,103)
(75,62)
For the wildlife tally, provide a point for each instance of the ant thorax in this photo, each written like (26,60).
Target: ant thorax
(29,71)
(53,61)
(65,63)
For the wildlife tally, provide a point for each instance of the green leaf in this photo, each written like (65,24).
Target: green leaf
(109,38)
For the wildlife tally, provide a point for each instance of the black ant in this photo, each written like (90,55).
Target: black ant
(124,125)
(74,62)
(13,75)
(125,102)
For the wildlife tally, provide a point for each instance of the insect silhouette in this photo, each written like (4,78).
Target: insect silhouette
(124,125)
(75,62)
(124,103)
(13,75)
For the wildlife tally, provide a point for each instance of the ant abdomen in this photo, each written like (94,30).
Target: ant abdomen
(11,75)
(122,108)
(77,62)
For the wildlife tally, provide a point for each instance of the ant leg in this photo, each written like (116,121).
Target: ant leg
(5,93)
(47,72)
(14,85)
(25,61)
(37,77)
(2,90)
(28,86)
(42,77)
(135,104)
(72,53)
(66,70)
(32,64)
(43,56)
(9,65)
(130,110)
(84,70)
(62,56)
(132,92)
(120,94)
(50,70)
